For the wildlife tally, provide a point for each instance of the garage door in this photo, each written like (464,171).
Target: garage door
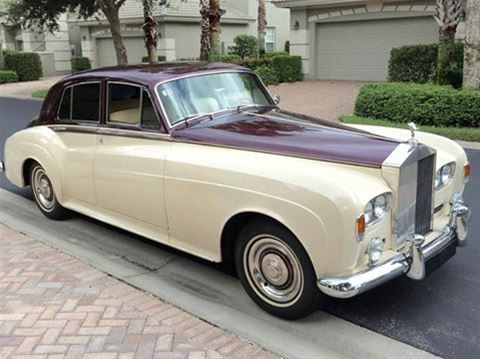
(106,52)
(360,50)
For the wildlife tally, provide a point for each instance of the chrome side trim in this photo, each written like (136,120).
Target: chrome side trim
(411,263)
(111,132)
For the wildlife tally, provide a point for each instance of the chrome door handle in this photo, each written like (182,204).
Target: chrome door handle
(100,141)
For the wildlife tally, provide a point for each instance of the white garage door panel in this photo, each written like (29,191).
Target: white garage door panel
(360,50)
(106,52)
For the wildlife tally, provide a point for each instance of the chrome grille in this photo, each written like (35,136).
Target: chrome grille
(414,211)
(423,214)
(407,201)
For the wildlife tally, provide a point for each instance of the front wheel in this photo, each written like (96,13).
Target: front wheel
(276,271)
(44,195)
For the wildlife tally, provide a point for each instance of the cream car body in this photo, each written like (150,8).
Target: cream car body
(196,196)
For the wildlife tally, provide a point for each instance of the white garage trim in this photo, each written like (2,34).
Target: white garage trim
(371,9)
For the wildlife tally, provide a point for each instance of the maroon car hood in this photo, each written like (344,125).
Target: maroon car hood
(286,133)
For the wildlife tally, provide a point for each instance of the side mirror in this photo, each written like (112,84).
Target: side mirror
(276,99)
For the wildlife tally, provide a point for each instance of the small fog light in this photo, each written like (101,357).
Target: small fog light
(375,250)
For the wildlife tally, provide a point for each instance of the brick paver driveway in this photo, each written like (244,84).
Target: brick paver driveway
(54,305)
(324,99)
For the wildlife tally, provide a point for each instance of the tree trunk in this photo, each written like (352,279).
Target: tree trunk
(214,18)
(446,54)
(110,8)
(150,30)
(471,67)
(205,30)
(262,24)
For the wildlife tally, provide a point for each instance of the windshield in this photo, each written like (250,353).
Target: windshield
(192,96)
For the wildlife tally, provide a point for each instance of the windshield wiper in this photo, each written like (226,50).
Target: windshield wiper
(187,120)
(244,107)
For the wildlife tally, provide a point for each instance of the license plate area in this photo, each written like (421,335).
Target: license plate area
(441,258)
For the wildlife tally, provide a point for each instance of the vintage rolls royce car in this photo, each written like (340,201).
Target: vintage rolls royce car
(200,157)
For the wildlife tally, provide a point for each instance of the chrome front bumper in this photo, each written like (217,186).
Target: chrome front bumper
(411,263)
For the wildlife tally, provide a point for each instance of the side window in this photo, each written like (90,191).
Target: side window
(64,111)
(85,102)
(149,116)
(124,104)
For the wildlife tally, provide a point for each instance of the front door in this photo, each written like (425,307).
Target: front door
(130,159)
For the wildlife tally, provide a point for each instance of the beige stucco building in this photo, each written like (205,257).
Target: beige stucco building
(178,29)
(352,39)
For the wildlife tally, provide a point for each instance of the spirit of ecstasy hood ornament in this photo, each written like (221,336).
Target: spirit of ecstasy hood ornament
(413,129)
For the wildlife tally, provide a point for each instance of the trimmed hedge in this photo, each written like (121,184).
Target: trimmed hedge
(289,68)
(418,63)
(268,75)
(160,58)
(245,46)
(424,104)
(8,77)
(27,65)
(80,64)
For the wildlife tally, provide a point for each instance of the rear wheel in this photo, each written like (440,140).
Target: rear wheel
(276,271)
(44,195)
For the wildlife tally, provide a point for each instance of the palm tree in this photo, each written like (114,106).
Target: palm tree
(150,30)
(210,29)
(471,67)
(448,16)
(262,24)
(214,17)
(205,30)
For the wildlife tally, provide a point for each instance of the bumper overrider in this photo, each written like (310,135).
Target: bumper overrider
(411,263)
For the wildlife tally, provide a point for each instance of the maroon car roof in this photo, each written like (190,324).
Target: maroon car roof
(151,74)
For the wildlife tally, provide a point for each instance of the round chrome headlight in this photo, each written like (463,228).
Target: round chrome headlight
(377,208)
(444,175)
(368,212)
(380,206)
(375,250)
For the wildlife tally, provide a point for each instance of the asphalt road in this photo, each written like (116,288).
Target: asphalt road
(440,314)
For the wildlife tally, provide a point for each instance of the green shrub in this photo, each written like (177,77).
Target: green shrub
(232,59)
(273,54)
(424,104)
(80,64)
(160,58)
(27,65)
(8,76)
(286,48)
(289,68)
(245,46)
(268,75)
(418,63)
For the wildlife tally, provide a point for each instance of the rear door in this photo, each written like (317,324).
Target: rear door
(130,157)
(79,115)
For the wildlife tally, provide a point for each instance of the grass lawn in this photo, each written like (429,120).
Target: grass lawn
(455,133)
(40,93)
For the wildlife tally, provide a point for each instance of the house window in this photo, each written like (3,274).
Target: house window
(270,39)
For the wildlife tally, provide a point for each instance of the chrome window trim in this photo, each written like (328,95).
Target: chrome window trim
(107,107)
(142,90)
(204,73)
(99,82)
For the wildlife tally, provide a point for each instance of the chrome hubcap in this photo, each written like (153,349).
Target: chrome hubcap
(42,188)
(273,270)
